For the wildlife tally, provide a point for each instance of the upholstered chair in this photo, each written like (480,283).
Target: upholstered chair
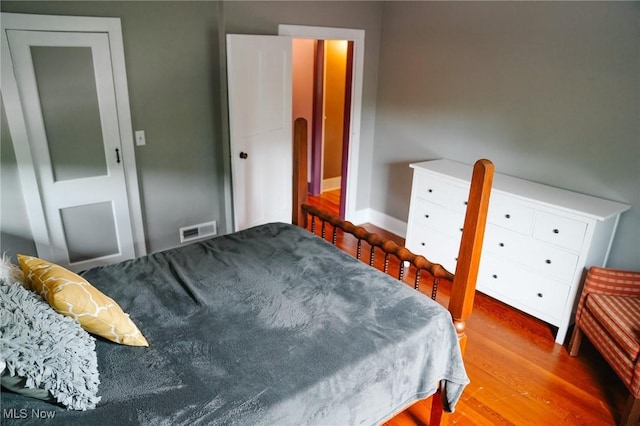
(609,315)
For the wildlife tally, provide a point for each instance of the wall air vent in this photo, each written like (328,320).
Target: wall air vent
(196,232)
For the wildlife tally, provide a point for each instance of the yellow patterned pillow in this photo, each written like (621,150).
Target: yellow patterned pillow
(71,295)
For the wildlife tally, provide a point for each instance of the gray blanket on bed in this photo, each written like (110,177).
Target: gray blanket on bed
(268,326)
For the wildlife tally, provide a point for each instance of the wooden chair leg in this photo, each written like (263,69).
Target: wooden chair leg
(631,414)
(576,340)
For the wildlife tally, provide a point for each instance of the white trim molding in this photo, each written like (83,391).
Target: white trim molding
(388,223)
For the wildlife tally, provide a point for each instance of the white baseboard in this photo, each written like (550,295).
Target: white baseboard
(359,217)
(331,184)
(381,220)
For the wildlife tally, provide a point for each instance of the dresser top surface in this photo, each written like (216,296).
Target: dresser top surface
(588,205)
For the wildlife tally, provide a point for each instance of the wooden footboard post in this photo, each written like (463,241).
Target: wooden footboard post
(300,185)
(464,281)
(436,415)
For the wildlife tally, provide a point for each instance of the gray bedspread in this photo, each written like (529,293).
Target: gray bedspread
(267,326)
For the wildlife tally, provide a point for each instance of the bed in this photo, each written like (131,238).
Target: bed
(274,325)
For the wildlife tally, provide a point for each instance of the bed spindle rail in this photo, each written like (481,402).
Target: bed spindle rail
(406,259)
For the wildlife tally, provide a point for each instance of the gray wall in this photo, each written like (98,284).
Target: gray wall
(15,234)
(550,91)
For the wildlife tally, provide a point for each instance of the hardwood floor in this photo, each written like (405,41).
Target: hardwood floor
(519,376)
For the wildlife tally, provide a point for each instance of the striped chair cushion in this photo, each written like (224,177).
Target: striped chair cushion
(610,351)
(620,316)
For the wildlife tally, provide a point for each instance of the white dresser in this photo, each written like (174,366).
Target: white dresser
(538,240)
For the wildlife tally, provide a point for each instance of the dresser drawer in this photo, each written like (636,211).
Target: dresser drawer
(526,290)
(543,257)
(559,230)
(436,246)
(441,192)
(504,212)
(434,216)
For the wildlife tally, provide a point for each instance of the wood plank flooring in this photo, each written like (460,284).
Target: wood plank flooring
(519,376)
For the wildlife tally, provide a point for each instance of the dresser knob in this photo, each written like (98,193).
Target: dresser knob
(423,244)
(427,216)
(548,261)
(460,229)
(466,203)
(540,295)
(556,231)
(495,277)
(429,190)
(501,244)
(508,216)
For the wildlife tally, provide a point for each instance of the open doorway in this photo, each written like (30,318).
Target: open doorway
(351,129)
(322,71)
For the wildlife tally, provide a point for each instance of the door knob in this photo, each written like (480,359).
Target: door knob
(244,155)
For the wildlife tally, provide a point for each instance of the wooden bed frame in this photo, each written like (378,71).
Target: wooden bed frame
(408,265)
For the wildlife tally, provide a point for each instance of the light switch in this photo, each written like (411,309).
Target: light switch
(140,140)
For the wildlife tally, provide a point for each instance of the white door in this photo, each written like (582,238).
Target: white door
(65,85)
(260,126)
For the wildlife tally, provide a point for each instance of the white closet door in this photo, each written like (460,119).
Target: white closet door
(65,83)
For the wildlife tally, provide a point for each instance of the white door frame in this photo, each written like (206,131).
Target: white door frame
(357,36)
(18,128)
